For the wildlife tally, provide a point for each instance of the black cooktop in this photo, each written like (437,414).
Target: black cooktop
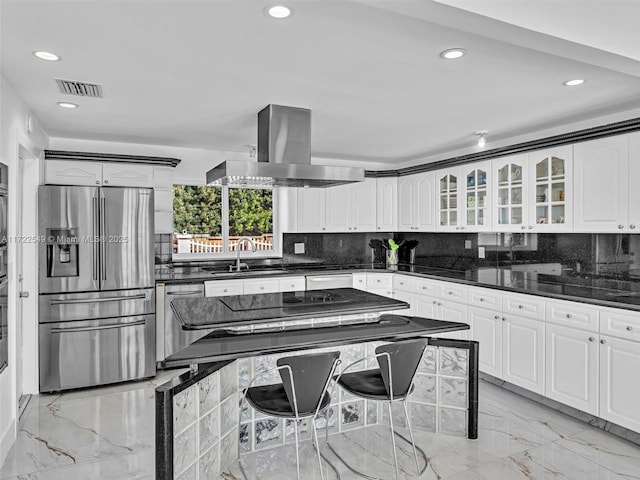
(243,303)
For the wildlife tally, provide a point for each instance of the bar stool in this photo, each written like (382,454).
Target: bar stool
(391,382)
(302,393)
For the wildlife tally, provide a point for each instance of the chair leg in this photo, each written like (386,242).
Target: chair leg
(413,443)
(315,435)
(393,441)
(295,422)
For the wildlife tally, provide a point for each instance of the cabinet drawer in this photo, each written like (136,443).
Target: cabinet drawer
(427,287)
(485,298)
(292,284)
(570,314)
(404,283)
(620,323)
(223,288)
(527,306)
(360,281)
(453,291)
(261,286)
(380,281)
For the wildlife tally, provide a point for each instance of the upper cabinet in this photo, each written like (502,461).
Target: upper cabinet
(344,208)
(606,192)
(464,198)
(387,204)
(351,207)
(116,174)
(550,199)
(416,194)
(534,192)
(510,175)
(311,210)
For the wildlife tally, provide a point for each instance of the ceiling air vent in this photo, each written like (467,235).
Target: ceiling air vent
(81,89)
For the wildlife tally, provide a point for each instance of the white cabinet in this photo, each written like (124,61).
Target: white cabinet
(523,352)
(292,284)
(606,185)
(550,198)
(223,288)
(487,330)
(416,195)
(347,208)
(360,281)
(403,289)
(261,285)
(571,374)
(438,308)
(311,210)
(619,385)
(387,204)
(115,174)
(448,201)
(510,180)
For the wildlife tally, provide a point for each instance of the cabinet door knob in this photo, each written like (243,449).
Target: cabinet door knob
(629,328)
(435,303)
(530,227)
(106,181)
(632,227)
(97,182)
(497,317)
(568,315)
(620,227)
(591,339)
(450,292)
(504,319)
(521,306)
(225,290)
(603,342)
(523,227)
(323,228)
(349,228)
(262,288)
(482,299)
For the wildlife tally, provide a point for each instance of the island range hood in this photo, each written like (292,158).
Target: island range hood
(284,156)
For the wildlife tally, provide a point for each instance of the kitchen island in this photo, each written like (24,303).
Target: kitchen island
(199,425)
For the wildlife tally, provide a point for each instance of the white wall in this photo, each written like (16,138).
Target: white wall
(14,138)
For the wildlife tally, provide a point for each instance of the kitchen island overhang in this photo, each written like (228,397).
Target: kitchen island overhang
(222,361)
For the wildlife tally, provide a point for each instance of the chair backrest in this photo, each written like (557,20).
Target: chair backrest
(405,358)
(310,376)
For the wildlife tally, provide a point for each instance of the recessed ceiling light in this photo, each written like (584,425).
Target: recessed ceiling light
(279,11)
(67,105)
(573,83)
(48,56)
(453,53)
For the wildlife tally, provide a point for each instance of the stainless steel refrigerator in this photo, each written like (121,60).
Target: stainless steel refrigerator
(96,277)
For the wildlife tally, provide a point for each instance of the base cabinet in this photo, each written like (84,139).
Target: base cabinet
(431,307)
(487,330)
(571,375)
(619,385)
(523,353)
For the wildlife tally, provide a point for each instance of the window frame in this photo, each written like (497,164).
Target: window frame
(224,219)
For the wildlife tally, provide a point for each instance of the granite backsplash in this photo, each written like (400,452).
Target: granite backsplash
(575,254)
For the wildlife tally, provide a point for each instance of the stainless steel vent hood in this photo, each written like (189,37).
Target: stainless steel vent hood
(284,156)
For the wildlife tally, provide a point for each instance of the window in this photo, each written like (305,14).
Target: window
(209,221)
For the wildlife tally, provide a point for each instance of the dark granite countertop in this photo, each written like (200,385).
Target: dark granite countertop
(584,289)
(219,346)
(238,310)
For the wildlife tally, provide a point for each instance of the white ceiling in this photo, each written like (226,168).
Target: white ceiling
(194,73)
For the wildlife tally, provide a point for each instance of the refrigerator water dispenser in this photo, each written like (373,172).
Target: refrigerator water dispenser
(62,252)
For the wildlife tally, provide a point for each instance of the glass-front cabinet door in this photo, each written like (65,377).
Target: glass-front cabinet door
(476,196)
(448,199)
(551,201)
(510,183)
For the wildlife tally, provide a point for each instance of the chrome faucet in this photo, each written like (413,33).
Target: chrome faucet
(253,249)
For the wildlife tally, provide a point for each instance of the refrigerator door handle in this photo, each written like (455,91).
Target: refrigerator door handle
(103,231)
(97,300)
(100,327)
(95,216)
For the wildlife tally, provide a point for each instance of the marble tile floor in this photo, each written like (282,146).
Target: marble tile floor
(108,433)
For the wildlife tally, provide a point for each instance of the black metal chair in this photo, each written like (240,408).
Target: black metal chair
(391,382)
(302,393)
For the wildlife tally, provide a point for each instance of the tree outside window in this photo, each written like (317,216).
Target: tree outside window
(210,220)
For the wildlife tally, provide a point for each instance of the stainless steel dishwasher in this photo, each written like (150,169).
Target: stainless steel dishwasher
(175,338)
